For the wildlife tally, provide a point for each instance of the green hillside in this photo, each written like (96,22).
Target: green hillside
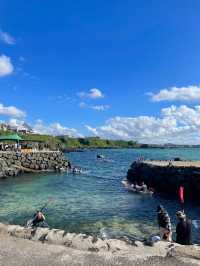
(65,142)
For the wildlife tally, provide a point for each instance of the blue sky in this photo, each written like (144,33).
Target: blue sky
(55,54)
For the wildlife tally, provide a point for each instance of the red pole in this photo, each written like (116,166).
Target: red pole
(181,196)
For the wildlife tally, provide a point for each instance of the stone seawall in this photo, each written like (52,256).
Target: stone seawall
(14,163)
(167,176)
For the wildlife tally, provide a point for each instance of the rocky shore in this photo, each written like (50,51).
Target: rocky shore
(31,247)
(167,176)
(14,163)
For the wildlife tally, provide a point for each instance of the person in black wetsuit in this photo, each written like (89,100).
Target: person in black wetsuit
(38,218)
(164,223)
(183,229)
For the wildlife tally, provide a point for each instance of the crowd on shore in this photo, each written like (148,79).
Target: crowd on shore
(18,147)
(10,147)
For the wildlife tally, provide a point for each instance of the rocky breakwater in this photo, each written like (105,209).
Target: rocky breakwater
(80,249)
(167,176)
(14,163)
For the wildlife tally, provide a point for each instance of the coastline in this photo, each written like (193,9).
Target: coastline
(76,243)
(43,246)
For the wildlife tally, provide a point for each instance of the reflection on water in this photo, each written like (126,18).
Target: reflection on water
(95,202)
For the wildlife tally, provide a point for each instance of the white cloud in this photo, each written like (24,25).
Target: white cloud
(190,93)
(55,129)
(6,66)
(39,127)
(11,111)
(92,94)
(83,105)
(92,130)
(99,108)
(13,122)
(176,125)
(22,59)
(6,38)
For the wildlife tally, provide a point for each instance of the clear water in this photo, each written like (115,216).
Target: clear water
(94,202)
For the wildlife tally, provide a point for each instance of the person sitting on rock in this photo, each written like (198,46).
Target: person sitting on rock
(164,223)
(38,218)
(183,229)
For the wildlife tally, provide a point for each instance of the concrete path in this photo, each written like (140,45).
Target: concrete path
(21,252)
(173,163)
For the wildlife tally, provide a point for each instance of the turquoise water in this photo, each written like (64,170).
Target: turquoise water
(95,202)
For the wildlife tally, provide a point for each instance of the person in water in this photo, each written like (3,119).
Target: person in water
(69,165)
(183,229)
(144,187)
(76,170)
(164,223)
(134,185)
(38,218)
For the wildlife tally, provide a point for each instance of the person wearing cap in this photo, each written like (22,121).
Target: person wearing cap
(164,223)
(183,229)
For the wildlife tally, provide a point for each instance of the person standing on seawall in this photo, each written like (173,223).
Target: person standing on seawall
(164,223)
(183,229)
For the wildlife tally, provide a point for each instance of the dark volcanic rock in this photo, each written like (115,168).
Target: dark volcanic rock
(166,177)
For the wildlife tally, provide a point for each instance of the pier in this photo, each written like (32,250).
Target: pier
(167,176)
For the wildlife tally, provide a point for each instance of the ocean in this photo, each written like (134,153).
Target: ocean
(94,202)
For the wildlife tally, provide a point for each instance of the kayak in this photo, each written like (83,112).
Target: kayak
(128,186)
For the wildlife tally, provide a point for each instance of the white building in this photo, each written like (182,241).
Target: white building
(3,126)
(23,128)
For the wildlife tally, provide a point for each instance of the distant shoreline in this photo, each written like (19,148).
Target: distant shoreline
(69,144)
(72,149)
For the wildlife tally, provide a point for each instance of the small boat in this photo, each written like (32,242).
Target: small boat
(129,187)
(100,156)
